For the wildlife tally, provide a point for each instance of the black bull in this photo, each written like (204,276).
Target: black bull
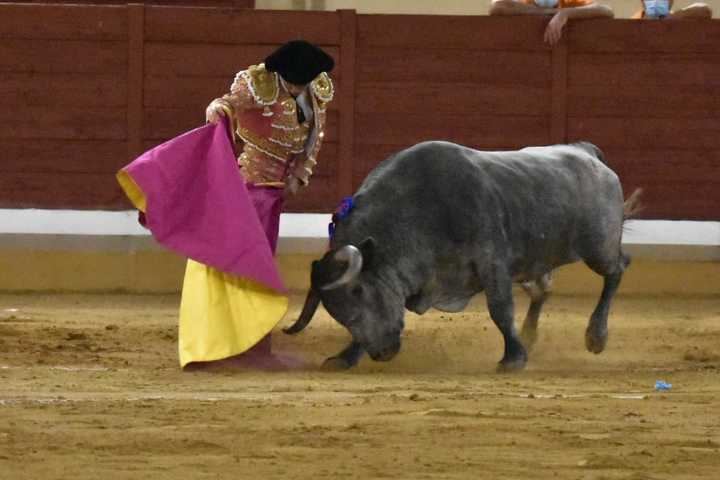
(437,223)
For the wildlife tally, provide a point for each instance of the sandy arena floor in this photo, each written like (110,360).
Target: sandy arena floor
(91,389)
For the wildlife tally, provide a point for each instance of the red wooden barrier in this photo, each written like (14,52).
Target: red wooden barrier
(646,93)
(99,84)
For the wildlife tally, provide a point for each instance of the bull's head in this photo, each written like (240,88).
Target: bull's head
(350,286)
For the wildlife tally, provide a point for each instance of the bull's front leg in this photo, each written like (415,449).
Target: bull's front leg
(346,359)
(500,305)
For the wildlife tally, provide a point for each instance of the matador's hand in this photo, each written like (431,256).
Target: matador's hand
(292,185)
(214,112)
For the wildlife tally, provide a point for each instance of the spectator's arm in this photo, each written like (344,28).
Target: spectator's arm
(515,7)
(592,10)
(553,32)
(694,11)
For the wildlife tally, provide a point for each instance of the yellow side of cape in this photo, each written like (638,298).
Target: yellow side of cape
(223,315)
(132,190)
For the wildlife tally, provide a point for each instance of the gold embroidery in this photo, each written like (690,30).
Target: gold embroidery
(263,85)
(322,87)
(263,144)
(257,167)
(268,160)
(289,107)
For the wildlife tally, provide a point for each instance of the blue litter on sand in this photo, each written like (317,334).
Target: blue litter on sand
(662,386)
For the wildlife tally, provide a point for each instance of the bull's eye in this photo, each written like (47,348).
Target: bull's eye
(357,291)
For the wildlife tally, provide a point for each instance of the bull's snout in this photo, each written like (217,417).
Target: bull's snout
(386,353)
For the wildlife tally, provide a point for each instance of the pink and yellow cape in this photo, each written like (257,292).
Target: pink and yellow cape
(196,203)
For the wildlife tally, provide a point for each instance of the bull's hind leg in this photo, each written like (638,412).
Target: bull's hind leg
(500,304)
(538,291)
(596,334)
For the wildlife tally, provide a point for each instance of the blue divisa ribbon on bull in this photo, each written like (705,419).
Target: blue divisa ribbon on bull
(342,211)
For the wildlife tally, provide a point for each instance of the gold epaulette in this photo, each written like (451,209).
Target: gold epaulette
(263,85)
(322,87)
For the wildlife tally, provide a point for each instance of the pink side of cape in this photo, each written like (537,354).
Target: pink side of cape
(198,204)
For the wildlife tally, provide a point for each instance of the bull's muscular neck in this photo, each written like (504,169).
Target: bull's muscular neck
(390,280)
(409,277)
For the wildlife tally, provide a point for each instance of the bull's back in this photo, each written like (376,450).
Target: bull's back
(553,181)
(536,202)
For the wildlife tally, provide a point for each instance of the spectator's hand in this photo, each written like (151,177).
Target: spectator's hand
(553,32)
(214,112)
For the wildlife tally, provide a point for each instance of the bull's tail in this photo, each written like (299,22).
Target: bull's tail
(632,205)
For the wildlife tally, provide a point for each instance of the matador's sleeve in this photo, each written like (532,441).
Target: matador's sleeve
(322,93)
(237,101)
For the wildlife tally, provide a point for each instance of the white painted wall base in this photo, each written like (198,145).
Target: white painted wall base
(307,233)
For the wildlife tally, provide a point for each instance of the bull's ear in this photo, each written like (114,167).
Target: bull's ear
(367,248)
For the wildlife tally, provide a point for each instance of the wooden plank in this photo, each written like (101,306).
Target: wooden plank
(193,93)
(346,99)
(63,56)
(663,196)
(652,166)
(636,101)
(451,98)
(203,3)
(215,25)
(649,70)
(72,123)
(62,156)
(49,190)
(165,123)
(434,65)
(63,22)
(558,118)
(367,157)
(624,36)
(320,196)
(180,92)
(479,131)
(200,3)
(209,60)
(135,76)
(62,89)
(200,59)
(674,201)
(651,133)
(327,160)
(676,183)
(438,31)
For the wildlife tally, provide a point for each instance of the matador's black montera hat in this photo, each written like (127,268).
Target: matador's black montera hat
(299,62)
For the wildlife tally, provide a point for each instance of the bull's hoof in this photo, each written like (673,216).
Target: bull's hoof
(595,342)
(511,365)
(528,338)
(336,364)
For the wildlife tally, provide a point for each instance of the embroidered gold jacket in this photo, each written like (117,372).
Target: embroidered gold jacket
(274,144)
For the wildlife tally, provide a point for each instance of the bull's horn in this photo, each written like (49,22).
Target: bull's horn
(350,254)
(311,303)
